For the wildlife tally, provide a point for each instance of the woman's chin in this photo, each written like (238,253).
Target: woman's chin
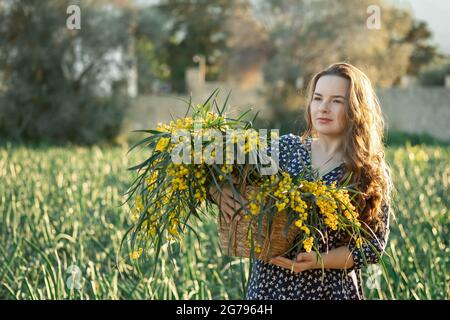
(326,131)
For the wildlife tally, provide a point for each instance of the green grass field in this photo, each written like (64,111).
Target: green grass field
(61,218)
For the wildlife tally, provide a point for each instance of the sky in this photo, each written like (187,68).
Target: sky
(437,14)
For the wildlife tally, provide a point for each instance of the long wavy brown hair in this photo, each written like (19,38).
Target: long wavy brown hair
(363,142)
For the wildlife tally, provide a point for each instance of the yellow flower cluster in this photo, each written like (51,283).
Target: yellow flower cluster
(152,223)
(179,124)
(256,200)
(211,117)
(359,242)
(347,208)
(297,204)
(256,244)
(199,184)
(138,208)
(225,170)
(308,244)
(324,200)
(290,195)
(162,144)
(187,123)
(148,225)
(178,174)
(136,254)
(178,182)
(151,180)
(284,190)
(173,227)
(281,192)
(247,140)
(251,141)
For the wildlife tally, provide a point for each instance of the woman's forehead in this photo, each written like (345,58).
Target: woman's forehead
(332,86)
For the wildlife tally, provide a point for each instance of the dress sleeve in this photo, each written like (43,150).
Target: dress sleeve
(285,150)
(371,251)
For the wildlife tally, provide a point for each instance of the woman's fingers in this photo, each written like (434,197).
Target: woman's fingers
(227,206)
(230,203)
(228,198)
(283,262)
(234,200)
(289,264)
(302,256)
(229,211)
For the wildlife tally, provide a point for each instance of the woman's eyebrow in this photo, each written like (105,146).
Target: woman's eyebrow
(334,96)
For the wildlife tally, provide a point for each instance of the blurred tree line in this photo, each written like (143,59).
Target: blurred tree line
(72,85)
(51,77)
(310,35)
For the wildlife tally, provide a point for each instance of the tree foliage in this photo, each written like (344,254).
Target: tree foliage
(310,35)
(196,27)
(54,83)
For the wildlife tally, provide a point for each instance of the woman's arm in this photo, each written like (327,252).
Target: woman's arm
(338,258)
(345,257)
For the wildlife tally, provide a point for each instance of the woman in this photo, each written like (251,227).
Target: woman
(344,135)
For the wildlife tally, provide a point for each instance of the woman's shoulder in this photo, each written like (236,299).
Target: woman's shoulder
(289,138)
(293,153)
(290,142)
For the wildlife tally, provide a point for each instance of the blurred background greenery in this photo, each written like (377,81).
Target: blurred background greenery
(89,85)
(69,99)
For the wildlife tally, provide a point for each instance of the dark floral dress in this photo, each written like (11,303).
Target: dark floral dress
(271,282)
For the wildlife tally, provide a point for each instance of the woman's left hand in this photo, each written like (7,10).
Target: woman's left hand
(305,261)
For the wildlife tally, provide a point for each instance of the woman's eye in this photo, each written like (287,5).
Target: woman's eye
(337,101)
(317,98)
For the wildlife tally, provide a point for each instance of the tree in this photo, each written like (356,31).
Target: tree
(248,47)
(151,35)
(196,27)
(423,53)
(56,79)
(435,73)
(310,35)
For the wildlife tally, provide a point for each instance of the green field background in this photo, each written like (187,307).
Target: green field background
(60,207)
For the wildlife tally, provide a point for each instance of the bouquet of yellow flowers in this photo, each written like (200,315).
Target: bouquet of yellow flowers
(186,157)
(205,148)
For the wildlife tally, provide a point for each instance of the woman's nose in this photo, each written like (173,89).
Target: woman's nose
(324,105)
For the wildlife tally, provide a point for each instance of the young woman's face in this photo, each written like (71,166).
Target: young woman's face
(328,105)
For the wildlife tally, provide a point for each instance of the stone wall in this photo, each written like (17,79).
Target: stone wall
(148,110)
(417,110)
(413,110)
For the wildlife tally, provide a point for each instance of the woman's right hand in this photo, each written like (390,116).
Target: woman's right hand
(228,202)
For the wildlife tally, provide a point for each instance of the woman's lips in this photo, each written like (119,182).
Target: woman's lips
(323,120)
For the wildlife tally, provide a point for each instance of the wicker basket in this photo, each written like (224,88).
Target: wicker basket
(233,237)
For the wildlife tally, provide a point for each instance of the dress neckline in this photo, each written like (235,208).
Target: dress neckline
(309,149)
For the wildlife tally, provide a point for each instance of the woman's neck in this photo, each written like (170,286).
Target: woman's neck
(329,145)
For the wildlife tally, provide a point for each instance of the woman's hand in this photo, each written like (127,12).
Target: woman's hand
(304,261)
(337,258)
(230,204)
